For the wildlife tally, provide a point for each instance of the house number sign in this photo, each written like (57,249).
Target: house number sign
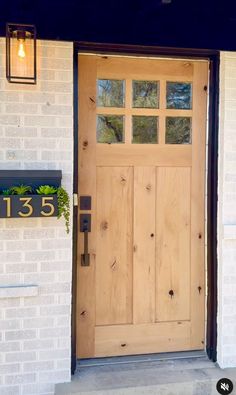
(20,206)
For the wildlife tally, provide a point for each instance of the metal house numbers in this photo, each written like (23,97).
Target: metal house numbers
(19,206)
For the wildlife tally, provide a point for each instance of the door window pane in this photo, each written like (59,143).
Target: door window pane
(146,94)
(110,93)
(145,129)
(110,129)
(178,130)
(179,95)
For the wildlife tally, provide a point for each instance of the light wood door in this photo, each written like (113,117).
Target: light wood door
(142,128)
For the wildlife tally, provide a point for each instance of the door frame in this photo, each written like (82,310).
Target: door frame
(212,171)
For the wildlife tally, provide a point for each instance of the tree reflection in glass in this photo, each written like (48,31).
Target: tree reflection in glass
(145,129)
(178,130)
(179,95)
(145,94)
(110,129)
(110,93)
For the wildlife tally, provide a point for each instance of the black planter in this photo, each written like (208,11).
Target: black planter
(28,206)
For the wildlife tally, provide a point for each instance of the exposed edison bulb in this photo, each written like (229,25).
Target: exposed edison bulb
(21,49)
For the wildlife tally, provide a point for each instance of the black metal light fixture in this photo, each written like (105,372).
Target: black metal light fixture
(21,53)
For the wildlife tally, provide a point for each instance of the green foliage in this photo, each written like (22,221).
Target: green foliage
(20,190)
(6,192)
(64,206)
(46,190)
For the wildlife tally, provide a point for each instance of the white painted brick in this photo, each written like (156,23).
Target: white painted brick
(25,312)
(6,97)
(54,354)
(54,332)
(54,310)
(21,267)
(36,132)
(39,256)
(39,322)
(56,110)
(21,108)
(20,378)
(10,390)
(39,143)
(13,368)
(21,356)
(16,291)
(9,234)
(21,155)
(38,97)
(39,300)
(10,143)
(39,344)
(55,64)
(38,366)
(10,346)
(9,120)
(56,132)
(42,120)
(20,335)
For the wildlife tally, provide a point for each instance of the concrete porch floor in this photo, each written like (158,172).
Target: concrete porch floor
(189,375)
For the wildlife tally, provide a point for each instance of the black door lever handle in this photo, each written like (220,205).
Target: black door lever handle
(85,227)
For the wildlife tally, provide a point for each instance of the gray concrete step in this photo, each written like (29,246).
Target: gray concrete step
(190,376)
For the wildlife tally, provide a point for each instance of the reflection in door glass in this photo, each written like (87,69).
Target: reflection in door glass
(110,93)
(110,129)
(145,94)
(178,130)
(179,95)
(145,129)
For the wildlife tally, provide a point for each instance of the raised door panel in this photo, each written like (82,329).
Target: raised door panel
(114,245)
(173,244)
(144,245)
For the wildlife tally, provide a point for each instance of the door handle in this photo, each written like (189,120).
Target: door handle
(85,227)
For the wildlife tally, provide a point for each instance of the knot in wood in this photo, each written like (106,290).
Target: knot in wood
(104,225)
(148,187)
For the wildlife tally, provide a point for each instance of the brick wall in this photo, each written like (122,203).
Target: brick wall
(36,132)
(227,213)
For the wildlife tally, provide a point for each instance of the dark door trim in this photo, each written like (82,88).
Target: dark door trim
(212,180)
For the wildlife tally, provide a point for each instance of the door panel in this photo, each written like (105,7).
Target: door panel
(142,338)
(173,244)
(144,245)
(114,245)
(142,126)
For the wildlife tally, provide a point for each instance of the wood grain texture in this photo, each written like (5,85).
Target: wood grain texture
(143,155)
(198,206)
(173,243)
(142,338)
(114,245)
(85,305)
(144,284)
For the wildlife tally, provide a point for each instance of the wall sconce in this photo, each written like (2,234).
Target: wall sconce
(21,53)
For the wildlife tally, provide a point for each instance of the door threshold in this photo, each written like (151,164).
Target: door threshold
(91,362)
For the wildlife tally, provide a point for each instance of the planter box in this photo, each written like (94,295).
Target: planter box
(26,206)
(33,178)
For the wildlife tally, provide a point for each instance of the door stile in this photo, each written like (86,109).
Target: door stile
(200,83)
(87,186)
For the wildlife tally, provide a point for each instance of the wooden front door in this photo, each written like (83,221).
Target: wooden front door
(142,128)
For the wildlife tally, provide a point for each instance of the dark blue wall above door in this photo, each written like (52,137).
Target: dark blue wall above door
(209,24)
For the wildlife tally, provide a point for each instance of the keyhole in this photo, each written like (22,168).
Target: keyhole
(199,289)
(171,293)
